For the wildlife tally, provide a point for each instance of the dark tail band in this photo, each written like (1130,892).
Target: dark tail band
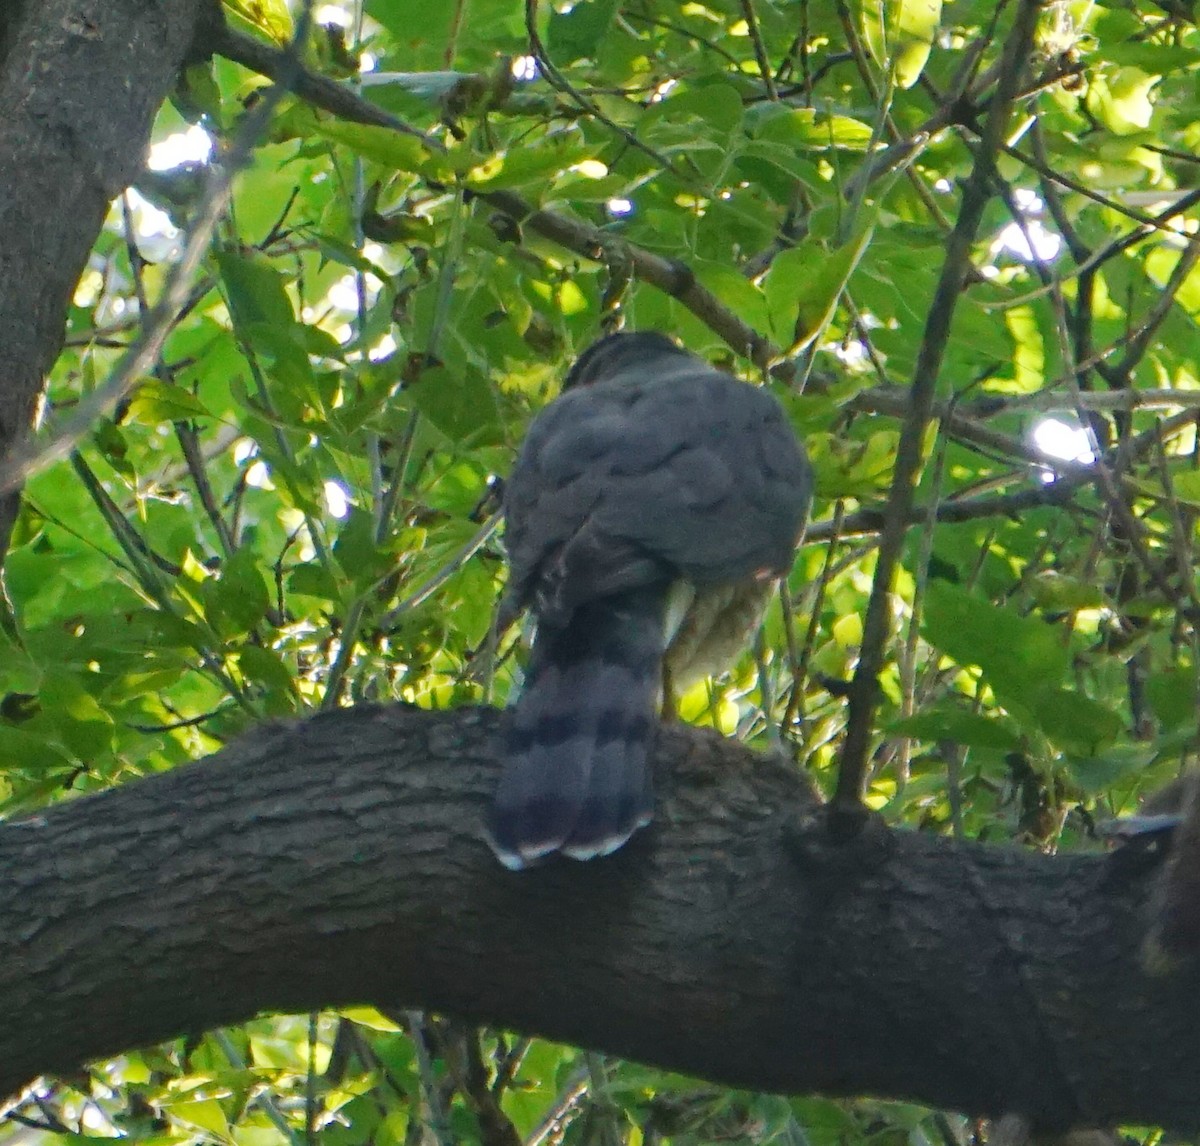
(577,780)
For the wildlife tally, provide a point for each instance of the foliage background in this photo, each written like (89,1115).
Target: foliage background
(296,509)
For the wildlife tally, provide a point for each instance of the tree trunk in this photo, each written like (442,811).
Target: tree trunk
(340,860)
(80,84)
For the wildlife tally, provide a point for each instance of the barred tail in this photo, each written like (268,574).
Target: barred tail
(577,777)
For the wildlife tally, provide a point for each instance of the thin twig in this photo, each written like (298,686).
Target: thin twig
(184,432)
(896,401)
(1139,341)
(562,1108)
(263,1098)
(869,521)
(147,562)
(347,639)
(1107,477)
(668,275)
(686,33)
(908,656)
(189,444)
(1155,225)
(556,79)
(760,49)
(174,725)
(864,687)
(460,1048)
(391,497)
(439,1118)
(146,566)
(312,1104)
(1181,539)
(800,664)
(506,1072)
(905,149)
(472,546)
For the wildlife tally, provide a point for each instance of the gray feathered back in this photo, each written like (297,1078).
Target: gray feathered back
(651,469)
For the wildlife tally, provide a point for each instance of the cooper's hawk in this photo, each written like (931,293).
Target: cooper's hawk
(651,509)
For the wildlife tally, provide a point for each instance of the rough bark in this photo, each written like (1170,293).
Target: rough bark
(80,83)
(340,860)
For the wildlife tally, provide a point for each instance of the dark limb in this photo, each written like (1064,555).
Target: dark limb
(341,860)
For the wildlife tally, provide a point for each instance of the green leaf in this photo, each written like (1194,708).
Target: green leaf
(470,593)
(284,348)
(1055,591)
(347,255)
(265,667)
(155,402)
(1174,695)
(29,752)
(240,596)
(809,129)
(1123,101)
(803,286)
(255,290)
(900,35)
(577,32)
(773,159)
(521,166)
(356,549)
(370,1017)
(109,439)
(1096,774)
(1185,484)
(314,580)
(1021,657)
(953,723)
(206,1114)
(196,93)
(74,714)
(1075,722)
(317,342)
(395,150)
(1157,59)
(846,467)
(717,106)
(461,405)
(735,291)
(434,87)
(380,144)
(269,16)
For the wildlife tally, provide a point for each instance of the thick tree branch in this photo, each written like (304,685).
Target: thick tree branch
(320,91)
(80,83)
(340,860)
(157,321)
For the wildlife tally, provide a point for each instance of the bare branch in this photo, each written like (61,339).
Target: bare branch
(876,626)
